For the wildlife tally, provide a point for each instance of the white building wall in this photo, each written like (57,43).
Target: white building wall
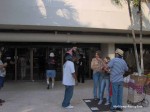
(71,13)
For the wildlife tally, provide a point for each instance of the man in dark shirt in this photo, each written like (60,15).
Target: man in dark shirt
(81,68)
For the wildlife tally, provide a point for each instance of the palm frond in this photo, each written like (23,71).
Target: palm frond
(135,3)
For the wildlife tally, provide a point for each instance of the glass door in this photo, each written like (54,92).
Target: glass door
(39,60)
(23,64)
(58,58)
(8,56)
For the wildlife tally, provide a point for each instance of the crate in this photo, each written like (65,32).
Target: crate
(138,80)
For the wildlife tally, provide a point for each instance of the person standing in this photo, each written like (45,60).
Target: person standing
(117,66)
(69,81)
(105,83)
(96,65)
(2,75)
(51,70)
(23,67)
(81,68)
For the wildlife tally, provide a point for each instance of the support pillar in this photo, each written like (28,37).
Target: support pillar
(108,50)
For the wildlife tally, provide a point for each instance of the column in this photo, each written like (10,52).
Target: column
(108,50)
(31,63)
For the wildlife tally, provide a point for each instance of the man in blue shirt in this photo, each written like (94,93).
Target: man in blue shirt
(118,67)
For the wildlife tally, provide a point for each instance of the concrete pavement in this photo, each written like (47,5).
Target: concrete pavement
(34,97)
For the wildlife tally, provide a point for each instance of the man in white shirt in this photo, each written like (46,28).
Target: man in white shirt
(69,80)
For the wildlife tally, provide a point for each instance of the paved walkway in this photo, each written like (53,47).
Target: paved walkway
(34,97)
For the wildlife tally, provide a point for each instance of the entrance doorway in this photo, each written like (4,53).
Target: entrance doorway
(28,63)
(39,61)
(8,56)
(23,64)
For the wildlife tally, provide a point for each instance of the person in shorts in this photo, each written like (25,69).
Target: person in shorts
(51,70)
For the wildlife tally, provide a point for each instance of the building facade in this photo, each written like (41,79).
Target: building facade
(32,29)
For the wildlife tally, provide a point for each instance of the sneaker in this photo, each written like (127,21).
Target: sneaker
(119,109)
(100,102)
(69,107)
(113,110)
(2,101)
(52,85)
(95,98)
(107,103)
(47,86)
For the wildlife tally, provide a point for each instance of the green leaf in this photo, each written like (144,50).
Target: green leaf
(135,3)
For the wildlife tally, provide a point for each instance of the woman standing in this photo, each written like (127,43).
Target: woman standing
(105,83)
(97,65)
(51,69)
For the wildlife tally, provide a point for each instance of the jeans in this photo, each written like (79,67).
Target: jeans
(105,84)
(117,94)
(97,77)
(2,79)
(68,95)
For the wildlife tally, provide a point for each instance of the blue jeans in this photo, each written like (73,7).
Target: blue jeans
(105,84)
(2,79)
(97,77)
(68,95)
(117,94)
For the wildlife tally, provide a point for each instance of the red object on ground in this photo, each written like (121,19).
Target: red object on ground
(110,93)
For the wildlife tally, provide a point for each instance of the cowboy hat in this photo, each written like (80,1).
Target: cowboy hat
(119,51)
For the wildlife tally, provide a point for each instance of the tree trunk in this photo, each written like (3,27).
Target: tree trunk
(134,40)
(141,43)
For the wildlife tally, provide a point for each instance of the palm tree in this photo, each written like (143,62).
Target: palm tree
(141,43)
(134,39)
(136,3)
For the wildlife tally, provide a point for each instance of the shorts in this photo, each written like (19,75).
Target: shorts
(51,73)
(2,79)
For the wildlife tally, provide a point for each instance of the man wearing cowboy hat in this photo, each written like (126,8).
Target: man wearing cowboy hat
(118,67)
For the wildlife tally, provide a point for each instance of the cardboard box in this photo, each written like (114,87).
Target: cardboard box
(138,80)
